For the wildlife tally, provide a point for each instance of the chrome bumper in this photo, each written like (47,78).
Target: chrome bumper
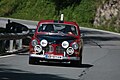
(55,57)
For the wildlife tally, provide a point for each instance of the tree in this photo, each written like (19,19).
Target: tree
(62,4)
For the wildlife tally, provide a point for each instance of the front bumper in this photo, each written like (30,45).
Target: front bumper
(54,57)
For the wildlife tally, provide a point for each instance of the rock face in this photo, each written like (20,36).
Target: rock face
(108,15)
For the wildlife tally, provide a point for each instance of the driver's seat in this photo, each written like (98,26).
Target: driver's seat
(49,28)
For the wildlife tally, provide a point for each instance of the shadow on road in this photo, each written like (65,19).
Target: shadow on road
(101,36)
(20,75)
(65,65)
(95,38)
(92,32)
(15,74)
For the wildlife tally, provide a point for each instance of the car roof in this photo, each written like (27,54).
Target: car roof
(57,21)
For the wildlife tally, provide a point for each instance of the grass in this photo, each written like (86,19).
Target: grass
(83,13)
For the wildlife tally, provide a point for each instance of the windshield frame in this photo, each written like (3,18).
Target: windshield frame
(72,25)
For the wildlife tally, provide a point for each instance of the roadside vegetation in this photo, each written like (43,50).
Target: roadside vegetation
(81,11)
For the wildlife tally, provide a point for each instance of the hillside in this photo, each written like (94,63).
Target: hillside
(82,11)
(108,16)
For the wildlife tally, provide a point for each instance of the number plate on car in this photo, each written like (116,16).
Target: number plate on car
(53,57)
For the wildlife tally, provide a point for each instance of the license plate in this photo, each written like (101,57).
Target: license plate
(53,57)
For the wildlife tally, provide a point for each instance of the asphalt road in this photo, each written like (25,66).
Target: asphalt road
(101,56)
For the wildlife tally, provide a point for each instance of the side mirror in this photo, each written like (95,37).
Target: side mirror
(33,30)
(82,35)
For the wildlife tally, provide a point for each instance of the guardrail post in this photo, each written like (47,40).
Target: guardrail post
(11,46)
(11,42)
(2,46)
(20,44)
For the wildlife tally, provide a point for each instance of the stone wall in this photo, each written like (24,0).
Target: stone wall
(108,15)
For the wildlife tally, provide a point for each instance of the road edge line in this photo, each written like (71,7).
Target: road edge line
(7,56)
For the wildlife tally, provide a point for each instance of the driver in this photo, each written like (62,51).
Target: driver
(68,29)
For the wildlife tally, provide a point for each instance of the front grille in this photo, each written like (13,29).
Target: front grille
(49,48)
(59,49)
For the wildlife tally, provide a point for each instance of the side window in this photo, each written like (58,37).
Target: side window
(42,27)
(73,28)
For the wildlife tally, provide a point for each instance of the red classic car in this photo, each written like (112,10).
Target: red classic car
(56,41)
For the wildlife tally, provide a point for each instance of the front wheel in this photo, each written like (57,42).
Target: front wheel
(76,63)
(33,60)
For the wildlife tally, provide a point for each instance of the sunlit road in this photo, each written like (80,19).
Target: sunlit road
(101,56)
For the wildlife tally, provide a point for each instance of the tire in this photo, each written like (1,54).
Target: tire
(76,63)
(81,56)
(33,60)
(79,62)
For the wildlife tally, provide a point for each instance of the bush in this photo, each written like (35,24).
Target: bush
(81,11)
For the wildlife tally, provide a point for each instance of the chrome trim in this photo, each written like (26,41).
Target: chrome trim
(60,49)
(63,58)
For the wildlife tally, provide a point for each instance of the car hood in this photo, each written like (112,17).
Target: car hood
(56,38)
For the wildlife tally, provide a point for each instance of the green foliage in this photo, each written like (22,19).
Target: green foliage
(84,13)
(81,11)
(35,10)
(62,4)
(27,9)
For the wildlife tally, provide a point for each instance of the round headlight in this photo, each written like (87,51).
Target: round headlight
(70,51)
(65,44)
(38,48)
(43,43)
(34,42)
(75,45)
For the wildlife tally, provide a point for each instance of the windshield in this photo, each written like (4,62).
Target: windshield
(58,28)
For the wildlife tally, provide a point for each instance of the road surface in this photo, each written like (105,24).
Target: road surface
(101,56)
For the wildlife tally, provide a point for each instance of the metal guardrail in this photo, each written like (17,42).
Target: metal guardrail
(11,42)
(13,36)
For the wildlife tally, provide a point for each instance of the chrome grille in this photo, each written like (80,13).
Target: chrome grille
(59,49)
(49,49)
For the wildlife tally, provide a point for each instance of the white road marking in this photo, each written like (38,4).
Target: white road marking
(7,56)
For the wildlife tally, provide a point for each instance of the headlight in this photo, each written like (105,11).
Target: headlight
(34,42)
(70,51)
(43,43)
(75,45)
(65,44)
(38,48)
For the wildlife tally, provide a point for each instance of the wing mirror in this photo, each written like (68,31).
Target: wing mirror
(82,35)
